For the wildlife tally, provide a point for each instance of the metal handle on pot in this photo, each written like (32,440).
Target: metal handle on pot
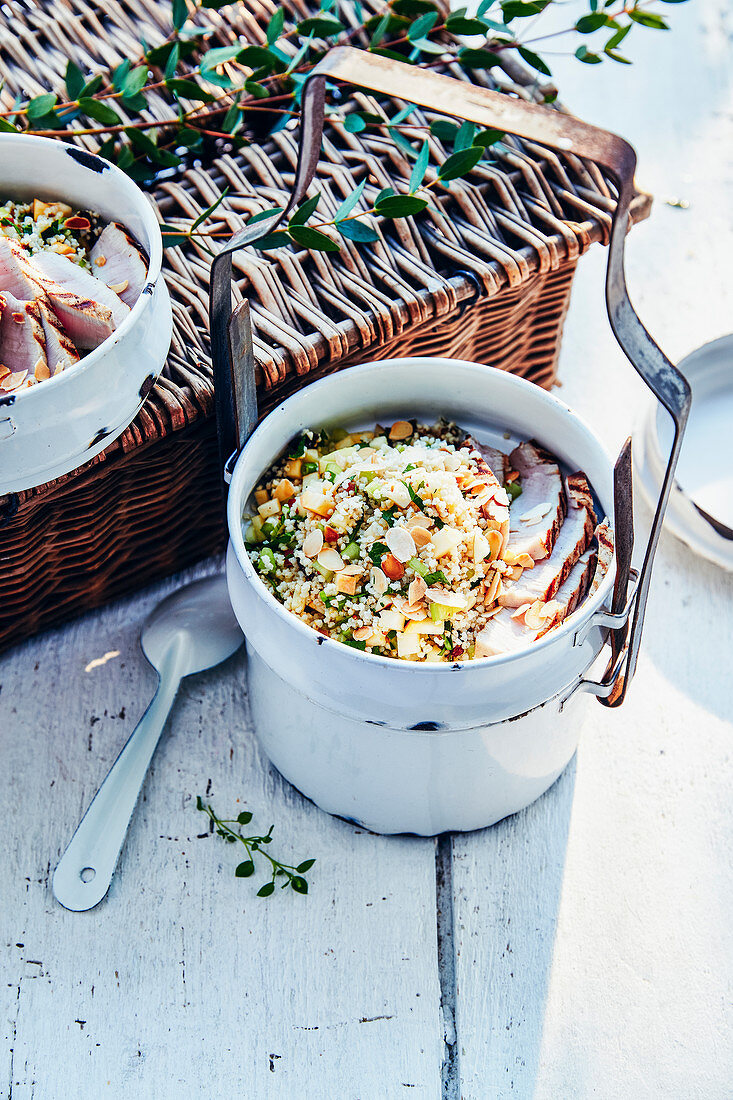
(548,127)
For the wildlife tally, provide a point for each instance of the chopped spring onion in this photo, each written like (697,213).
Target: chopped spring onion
(266,560)
(514,490)
(352,551)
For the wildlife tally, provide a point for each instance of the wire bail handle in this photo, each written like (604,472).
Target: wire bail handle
(232,351)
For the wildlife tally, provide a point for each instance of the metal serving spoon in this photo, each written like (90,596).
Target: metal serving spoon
(191,630)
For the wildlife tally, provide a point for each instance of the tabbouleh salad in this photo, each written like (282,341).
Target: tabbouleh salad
(390,541)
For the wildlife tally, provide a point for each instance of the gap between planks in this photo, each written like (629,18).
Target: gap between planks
(450,1074)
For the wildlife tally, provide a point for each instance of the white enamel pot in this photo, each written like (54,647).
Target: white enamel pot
(401,746)
(423,748)
(54,427)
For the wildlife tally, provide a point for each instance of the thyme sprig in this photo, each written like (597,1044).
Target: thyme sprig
(292,876)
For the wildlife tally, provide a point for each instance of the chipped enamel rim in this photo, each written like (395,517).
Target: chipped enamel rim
(243,483)
(84,162)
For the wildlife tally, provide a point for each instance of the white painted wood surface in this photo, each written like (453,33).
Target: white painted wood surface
(592,932)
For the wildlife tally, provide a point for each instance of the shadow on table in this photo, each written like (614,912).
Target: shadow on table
(508,885)
(688,633)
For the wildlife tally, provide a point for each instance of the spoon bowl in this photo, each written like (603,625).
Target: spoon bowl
(191,630)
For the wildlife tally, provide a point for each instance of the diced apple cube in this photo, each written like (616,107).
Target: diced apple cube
(391,620)
(269,508)
(445,541)
(284,490)
(261,496)
(346,584)
(407,645)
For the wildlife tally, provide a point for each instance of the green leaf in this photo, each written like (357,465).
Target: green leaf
(74,80)
(313,238)
(534,60)
(118,77)
(188,137)
(384,193)
(422,26)
(444,130)
(464,137)
(180,13)
(245,869)
(522,9)
(135,81)
(412,7)
(648,19)
(7,127)
(92,86)
(377,551)
(617,37)
(379,31)
(209,210)
(275,26)
(189,89)
(41,105)
(305,866)
(357,231)
(478,59)
(487,138)
(264,214)
(400,206)
(458,24)
(99,111)
(259,57)
(585,55)
(460,164)
(219,56)
(171,63)
(322,26)
(266,890)
(244,818)
(350,202)
(299,884)
(354,124)
(419,168)
(273,240)
(424,45)
(199,803)
(589,23)
(304,211)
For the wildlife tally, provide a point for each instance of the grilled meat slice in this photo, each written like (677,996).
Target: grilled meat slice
(118,260)
(498,462)
(543,496)
(504,633)
(85,306)
(22,346)
(60,351)
(576,532)
(15,273)
(604,535)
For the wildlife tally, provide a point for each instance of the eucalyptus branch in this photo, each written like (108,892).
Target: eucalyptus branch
(256,846)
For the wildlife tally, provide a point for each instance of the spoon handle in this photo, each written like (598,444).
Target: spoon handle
(84,873)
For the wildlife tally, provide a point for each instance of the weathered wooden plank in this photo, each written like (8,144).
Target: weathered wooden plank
(183,982)
(594,930)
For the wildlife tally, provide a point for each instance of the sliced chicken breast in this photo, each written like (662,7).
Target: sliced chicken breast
(60,351)
(604,535)
(85,306)
(15,273)
(576,532)
(536,516)
(118,260)
(498,462)
(22,346)
(508,630)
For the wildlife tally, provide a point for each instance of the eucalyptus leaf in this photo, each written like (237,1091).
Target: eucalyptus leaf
(179,13)
(460,164)
(304,211)
(357,231)
(322,26)
(350,202)
(99,111)
(534,60)
(422,26)
(399,206)
(419,168)
(313,238)
(275,26)
(73,80)
(41,105)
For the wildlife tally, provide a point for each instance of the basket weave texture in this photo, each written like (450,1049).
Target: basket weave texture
(485,275)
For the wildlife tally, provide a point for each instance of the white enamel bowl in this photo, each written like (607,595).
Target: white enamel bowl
(54,427)
(395,745)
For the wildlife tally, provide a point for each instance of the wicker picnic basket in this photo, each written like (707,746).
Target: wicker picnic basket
(484,276)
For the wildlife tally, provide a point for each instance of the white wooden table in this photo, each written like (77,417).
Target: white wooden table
(581,948)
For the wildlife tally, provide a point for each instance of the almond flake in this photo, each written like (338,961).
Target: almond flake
(41,370)
(401,543)
(313,543)
(331,559)
(4,370)
(536,514)
(378,580)
(12,381)
(417,590)
(421,537)
(119,287)
(401,429)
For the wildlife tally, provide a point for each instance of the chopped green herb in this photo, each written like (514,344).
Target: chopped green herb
(514,489)
(377,552)
(415,498)
(438,577)
(389,515)
(309,467)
